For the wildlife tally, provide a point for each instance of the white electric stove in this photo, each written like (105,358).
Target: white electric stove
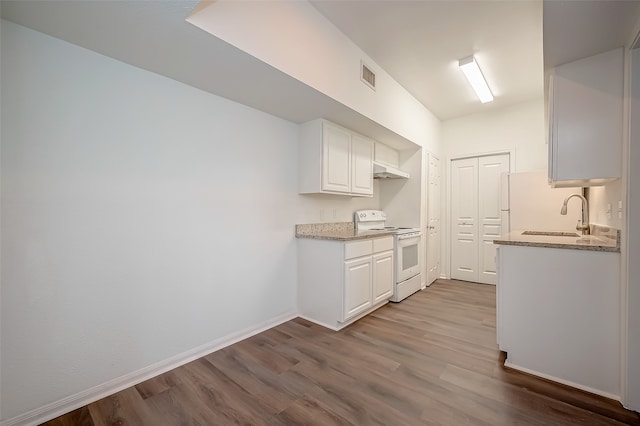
(407,252)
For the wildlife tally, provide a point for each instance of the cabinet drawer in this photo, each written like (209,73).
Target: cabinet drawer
(358,249)
(382,244)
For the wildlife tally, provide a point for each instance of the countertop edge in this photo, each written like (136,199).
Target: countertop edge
(328,237)
(601,238)
(336,231)
(566,246)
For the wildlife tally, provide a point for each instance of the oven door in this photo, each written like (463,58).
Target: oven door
(407,256)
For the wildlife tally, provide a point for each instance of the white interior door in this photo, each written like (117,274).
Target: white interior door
(475,216)
(433,220)
(489,171)
(464,219)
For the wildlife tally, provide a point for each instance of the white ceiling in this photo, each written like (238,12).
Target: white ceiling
(420,42)
(577,29)
(417,42)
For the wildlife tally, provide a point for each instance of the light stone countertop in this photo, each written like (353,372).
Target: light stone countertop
(602,239)
(338,231)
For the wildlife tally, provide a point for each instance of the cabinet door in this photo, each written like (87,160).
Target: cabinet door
(361,165)
(586,113)
(336,159)
(382,276)
(357,287)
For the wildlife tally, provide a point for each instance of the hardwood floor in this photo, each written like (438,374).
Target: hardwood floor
(429,360)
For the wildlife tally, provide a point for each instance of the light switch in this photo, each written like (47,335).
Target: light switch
(608,207)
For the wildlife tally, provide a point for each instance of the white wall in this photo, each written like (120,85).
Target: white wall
(401,198)
(129,227)
(519,128)
(632,322)
(295,38)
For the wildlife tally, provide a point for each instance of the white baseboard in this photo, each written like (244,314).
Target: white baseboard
(562,381)
(80,399)
(323,324)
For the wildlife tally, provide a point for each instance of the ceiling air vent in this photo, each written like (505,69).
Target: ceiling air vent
(367,76)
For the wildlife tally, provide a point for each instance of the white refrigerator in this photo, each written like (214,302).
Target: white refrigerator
(528,203)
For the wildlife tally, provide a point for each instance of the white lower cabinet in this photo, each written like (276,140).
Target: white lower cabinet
(382,276)
(339,282)
(558,315)
(357,286)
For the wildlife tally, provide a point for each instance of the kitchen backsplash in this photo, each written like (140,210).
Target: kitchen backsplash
(326,208)
(601,198)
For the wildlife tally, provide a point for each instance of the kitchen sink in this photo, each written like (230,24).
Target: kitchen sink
(551,233)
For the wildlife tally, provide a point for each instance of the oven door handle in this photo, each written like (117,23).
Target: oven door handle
(409,236)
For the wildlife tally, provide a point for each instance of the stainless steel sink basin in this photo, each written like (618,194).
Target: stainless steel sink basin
(551,233)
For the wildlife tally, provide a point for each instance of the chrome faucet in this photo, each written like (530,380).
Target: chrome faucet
(584,226)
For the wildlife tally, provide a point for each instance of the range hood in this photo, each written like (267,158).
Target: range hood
(382,171)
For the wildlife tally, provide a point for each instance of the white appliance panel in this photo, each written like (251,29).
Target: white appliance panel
(504,191)
(505,222)
(407,257)
(534,206)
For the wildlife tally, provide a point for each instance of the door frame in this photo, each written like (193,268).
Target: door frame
(425,230)
(630,275)
(445,254)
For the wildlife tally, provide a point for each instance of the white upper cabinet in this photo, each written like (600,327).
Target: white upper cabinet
(585,120)
(361,165)
(334,160)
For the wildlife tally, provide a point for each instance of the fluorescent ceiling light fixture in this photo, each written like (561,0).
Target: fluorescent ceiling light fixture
(471,70)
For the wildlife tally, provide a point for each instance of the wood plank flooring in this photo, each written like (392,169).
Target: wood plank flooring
(429,360)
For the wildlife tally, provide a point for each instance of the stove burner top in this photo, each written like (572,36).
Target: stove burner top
(374,220)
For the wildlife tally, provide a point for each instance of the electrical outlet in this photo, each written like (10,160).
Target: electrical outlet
(620,209)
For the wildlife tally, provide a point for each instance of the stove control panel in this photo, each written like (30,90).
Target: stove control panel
(370,216)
